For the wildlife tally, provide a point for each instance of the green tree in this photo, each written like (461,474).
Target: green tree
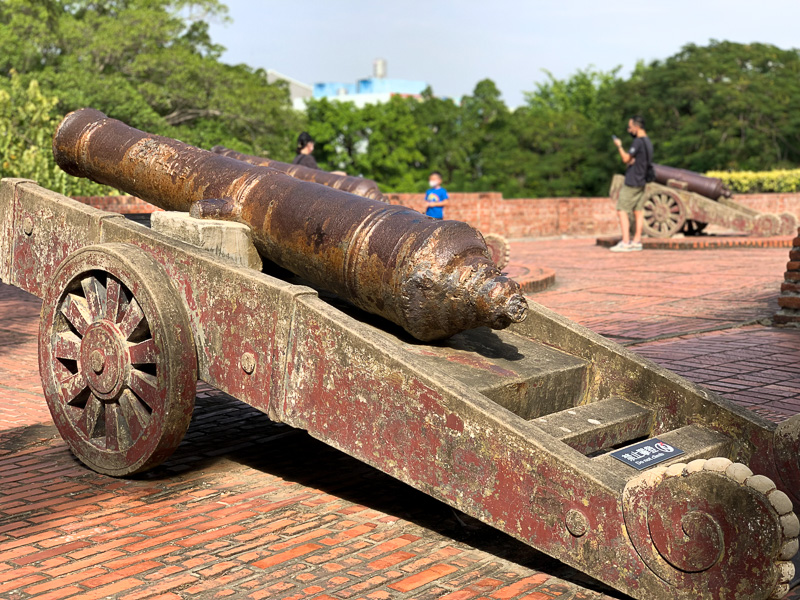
(379,141)
(392,150)
(721,106)
(149,63)
(576,112)
(27,121)
(486,137)
(439,123)
(340,133)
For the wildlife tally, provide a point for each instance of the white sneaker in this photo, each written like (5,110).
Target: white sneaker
(621,247)
(636,246)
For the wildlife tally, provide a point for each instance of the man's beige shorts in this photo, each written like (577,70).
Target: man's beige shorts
(630,198)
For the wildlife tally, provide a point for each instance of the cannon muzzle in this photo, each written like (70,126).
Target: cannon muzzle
(355,185)
(433,278)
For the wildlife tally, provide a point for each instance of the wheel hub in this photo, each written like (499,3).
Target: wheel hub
(104,353)
(661,213)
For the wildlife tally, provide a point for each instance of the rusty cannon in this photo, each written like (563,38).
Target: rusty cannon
(497,245)
(355,185)
(433,278)
(545,430)
(682,201)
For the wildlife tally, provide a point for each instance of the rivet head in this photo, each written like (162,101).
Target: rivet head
(248,362)
(577,523)
(27,225)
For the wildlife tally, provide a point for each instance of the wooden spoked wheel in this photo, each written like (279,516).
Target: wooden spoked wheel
(117,359)
(664,214)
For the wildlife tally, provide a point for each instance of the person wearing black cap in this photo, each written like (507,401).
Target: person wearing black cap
(305,146)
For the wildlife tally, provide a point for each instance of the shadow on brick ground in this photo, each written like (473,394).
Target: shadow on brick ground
(225,430)
(229,437)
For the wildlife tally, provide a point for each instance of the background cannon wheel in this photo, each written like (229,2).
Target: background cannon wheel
(788,224)
(664,214)
(117,359)
(766,225)
(499,249)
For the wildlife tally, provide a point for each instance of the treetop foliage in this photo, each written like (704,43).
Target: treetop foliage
(149,63)
(723,106)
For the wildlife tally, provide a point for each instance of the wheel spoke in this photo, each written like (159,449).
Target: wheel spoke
(95,297)
(113,297)
(137,415)
(67,346)
(143,352)
(76,311)
(145,386)
(61,371)
(131,318)
(91,423)
(72,388)
(117,435)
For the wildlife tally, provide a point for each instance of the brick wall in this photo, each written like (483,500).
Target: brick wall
(514,218)
(773,203)
(127,205)
(789,301)
(524,217)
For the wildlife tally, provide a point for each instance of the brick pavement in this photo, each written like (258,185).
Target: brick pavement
(249,508)
(636,296)
(755,366)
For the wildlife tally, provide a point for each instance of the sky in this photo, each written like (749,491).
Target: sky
(452,45)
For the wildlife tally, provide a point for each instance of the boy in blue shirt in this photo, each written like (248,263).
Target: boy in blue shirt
(436,196)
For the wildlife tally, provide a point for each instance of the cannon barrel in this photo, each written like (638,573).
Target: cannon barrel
(355,185)
(433,278)
(710,187)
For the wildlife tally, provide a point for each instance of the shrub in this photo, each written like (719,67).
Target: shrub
(28,120)
(755,182)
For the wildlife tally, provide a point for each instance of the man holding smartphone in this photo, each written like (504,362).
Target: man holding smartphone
(631,196)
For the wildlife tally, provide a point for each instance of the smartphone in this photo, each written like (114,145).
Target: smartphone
(614,138)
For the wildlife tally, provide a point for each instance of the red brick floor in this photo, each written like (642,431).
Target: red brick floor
(636,296)
(247,508)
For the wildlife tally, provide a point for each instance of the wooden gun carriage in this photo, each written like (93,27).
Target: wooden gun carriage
(681,201)
(514,427)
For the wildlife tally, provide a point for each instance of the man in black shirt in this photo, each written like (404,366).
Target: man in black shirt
(631,196)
